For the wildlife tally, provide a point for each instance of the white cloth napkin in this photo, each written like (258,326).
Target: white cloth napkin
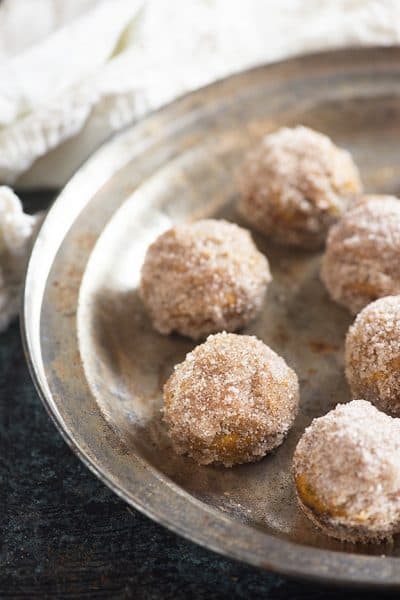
(74,71)
(16,234)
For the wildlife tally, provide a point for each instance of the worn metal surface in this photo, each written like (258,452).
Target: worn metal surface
(100,367)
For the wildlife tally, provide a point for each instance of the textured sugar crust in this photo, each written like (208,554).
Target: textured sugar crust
(203,277)
(372,354)
(295,185)
(231,401)
(361,262)
(347,473)
(344,533)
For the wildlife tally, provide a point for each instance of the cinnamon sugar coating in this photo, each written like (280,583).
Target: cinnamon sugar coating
(347,473)
(373,354)
(203,277)
(232,400)
(295,185)
(361,261)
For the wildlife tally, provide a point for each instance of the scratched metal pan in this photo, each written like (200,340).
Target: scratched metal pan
(99,366)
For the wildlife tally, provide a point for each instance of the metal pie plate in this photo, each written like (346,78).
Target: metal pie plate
(100,367)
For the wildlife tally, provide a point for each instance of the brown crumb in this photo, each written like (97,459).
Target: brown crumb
(320,347)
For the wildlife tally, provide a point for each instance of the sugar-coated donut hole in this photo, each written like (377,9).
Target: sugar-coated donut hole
(372,355)
(295,185)
(347,473)
(361,260)
(203,277)
(231,401)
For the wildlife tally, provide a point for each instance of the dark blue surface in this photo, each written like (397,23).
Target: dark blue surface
(65,535)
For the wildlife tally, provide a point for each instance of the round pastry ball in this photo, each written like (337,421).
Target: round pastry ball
(295,185)
(203,277)
(231,401)
(347,473)
(361,262)
(373,354)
